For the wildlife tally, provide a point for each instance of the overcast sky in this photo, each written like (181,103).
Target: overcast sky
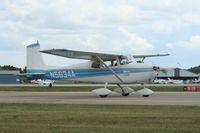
(114,26)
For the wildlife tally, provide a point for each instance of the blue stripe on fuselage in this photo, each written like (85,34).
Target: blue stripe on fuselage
(82,73)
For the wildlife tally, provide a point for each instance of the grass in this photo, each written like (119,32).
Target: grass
(50,118)
(84,88)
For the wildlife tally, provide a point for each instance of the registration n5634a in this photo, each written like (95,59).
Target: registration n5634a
(63,74)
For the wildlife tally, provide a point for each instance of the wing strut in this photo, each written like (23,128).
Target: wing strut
(143,59)
(115,74)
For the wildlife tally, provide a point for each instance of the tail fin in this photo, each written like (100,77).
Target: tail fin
(34,58)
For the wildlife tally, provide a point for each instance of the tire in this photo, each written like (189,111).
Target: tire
(125,94)
(145,95)
(103,96)
(50,85)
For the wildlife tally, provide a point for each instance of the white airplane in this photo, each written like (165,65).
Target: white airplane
(196,81)
(159,81)
(100,68)
(172,81)
(43,82)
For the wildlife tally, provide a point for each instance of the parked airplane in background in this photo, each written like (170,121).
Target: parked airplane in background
(172,81)
(167,81)
(197,81)
(100,68)
(43,82)
(159,81)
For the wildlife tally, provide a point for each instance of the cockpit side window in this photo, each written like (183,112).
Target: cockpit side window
(96,64)
(112,63)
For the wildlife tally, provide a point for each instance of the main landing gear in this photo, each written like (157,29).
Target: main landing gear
(124,91)
(50,85)
(102,92)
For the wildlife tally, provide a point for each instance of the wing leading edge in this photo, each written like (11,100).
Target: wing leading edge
(80,54)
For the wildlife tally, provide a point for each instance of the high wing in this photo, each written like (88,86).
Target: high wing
(101,57)
(150,55)
(81,54)
(92,55)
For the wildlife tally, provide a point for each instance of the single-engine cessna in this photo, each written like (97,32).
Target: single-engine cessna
(100,68)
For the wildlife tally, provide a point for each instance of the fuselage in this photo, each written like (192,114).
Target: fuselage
(129,73)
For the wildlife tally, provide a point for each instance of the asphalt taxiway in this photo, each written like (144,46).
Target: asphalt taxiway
(158,98)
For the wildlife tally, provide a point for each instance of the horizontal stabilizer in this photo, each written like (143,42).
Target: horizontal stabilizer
(31,74)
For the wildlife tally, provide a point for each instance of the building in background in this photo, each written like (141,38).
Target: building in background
(178,74)
(9,76)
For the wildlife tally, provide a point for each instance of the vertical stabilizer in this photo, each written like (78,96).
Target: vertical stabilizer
(34,58)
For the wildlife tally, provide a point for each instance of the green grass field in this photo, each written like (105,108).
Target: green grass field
(51,118)
(85,88)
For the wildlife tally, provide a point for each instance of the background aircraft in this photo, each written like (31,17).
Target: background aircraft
(100,68)
(160,81)
(172,81)
(196,81)
(43,82)
(167,81)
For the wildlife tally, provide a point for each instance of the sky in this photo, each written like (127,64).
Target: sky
(126,27)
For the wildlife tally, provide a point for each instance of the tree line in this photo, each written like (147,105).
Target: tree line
(9,67)
(195,69)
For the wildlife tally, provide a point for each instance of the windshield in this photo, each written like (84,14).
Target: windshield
(126,61)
